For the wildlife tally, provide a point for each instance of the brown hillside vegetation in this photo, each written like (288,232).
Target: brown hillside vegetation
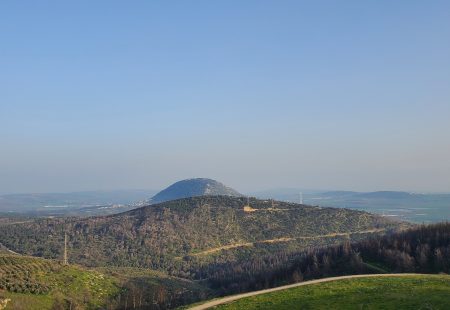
(158,236)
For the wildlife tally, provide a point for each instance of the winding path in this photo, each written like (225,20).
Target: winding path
(284,239)
(224,300)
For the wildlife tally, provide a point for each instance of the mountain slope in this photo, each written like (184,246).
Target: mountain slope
(171,235)
(34,283)
(192,188)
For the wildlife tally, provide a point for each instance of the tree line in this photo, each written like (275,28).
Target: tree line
(423,249)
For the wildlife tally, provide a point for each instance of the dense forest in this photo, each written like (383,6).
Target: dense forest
(423,249)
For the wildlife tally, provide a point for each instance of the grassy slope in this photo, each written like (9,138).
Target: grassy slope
(36,283)
(418,292)
(33,283)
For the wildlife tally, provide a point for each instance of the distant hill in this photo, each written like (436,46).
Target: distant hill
(185,231)
(193,188)
(389,195)
(339,194)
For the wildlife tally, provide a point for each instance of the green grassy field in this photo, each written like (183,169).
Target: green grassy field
(416,292)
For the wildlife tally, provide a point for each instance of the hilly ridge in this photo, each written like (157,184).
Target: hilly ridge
(170,235)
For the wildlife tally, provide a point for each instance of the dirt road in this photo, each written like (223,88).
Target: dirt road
(228,299)
(283,239)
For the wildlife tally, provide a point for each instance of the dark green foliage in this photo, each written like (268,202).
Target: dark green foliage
(423,249)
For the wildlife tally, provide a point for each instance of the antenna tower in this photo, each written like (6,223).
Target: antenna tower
(65,249)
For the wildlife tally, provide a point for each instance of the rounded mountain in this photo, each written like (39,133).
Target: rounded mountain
(192,188)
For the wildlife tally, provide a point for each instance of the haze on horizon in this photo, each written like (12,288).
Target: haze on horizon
(257,94)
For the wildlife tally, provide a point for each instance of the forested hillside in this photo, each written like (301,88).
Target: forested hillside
(423,249)
(178,234)
(45,283)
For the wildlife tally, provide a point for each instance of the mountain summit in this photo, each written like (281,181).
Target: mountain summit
(192,188)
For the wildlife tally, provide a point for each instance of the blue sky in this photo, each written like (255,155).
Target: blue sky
(257,94)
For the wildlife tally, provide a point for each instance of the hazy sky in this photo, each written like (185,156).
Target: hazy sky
(257,94)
